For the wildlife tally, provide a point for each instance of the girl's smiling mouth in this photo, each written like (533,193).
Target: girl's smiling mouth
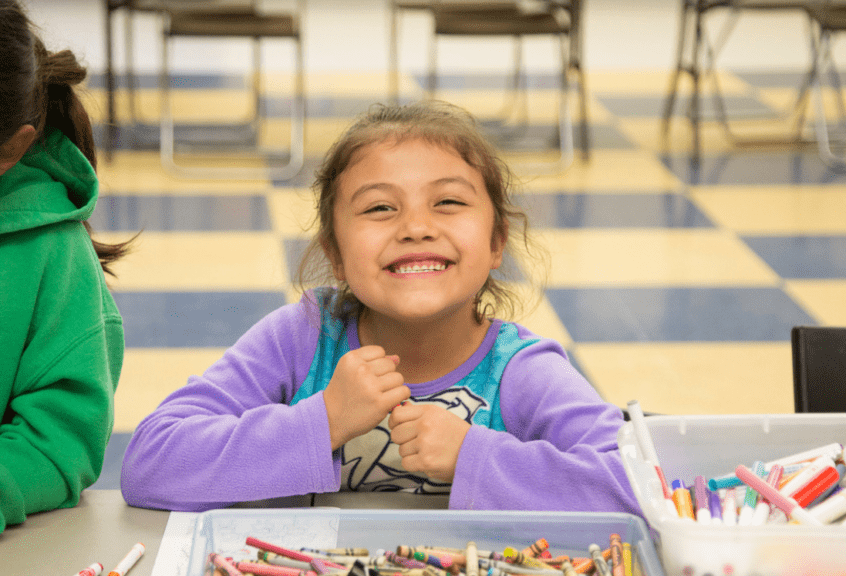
(418,264)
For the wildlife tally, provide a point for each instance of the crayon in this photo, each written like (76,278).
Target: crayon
(616,543)
(267,546)
(471,560)
(129,560)
(599,562)
(627,558)
(537,548)
(567,568)
(337,551)
(224,565)
(515,557)
(263,569)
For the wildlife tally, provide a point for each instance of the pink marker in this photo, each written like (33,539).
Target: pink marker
(94,570)
(785,503)
(762,509)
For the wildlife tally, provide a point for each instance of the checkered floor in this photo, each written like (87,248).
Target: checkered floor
(672,282)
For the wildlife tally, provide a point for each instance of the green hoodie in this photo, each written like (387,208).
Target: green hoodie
(61,335)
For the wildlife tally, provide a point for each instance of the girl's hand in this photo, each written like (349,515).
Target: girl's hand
(364,388)
(429,439)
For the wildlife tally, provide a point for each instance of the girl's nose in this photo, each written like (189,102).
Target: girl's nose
(417,225)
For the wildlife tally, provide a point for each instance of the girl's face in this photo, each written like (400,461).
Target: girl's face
(415,230)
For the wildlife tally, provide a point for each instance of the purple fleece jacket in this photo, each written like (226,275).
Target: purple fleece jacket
(230,436)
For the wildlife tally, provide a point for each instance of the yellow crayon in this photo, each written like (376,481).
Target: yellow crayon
(627,558)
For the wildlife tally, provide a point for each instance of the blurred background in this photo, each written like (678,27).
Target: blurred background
(685,241)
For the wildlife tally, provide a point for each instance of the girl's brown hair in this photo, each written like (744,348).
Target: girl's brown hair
(37,88)
(440,124)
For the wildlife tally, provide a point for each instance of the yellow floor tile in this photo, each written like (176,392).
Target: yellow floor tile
(825,300)
(774,209)
(652,258)
(693,378)
(150,374)
(292,212)
(618,170)
(201,261)
(540,106)
(219,105)
(132,172)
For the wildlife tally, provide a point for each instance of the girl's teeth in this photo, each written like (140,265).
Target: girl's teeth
(417,268)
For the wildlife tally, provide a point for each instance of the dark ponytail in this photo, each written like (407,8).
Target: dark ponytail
(36,88)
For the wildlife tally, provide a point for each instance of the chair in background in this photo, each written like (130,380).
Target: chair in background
(829,19)
(819,368)
(560,19)
(696,55)
(219,19)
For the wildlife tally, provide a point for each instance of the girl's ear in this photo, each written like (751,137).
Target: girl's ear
(498,242)
(13,149)
(333,255)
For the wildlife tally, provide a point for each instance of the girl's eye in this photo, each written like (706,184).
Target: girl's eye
(378,208)
(452,201)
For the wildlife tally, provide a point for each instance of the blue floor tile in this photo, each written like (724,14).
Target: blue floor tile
(191,319)
(181,213)
(110,476)
(677,314)
(653,107)
(665,210)
(755,168)
(802,256)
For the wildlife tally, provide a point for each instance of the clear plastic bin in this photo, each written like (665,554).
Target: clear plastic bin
(225,531)
(688,446)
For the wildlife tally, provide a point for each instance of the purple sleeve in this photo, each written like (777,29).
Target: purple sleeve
(560,450)
(229,436)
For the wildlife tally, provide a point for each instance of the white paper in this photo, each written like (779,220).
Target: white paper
(175,548)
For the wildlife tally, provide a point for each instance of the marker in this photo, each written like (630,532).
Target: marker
(784,503)
(681,497)
(94,570)
(716,507)
(129,560)
(791,464)
(703,506)
(831,509)
(647,448)
(730,508)
(750,501)
(818,483)
(763,508)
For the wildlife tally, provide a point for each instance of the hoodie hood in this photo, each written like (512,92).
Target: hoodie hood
(53,182)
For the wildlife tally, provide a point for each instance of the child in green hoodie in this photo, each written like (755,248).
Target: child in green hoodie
(61,336)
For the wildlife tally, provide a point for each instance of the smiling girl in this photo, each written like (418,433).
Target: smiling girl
(400,376)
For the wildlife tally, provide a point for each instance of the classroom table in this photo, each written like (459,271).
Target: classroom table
(102,528)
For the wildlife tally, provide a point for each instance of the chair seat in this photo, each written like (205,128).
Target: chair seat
(233,23)
(497,21)
(831,18)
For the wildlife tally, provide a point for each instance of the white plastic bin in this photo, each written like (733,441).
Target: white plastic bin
(688,446)
(225,531)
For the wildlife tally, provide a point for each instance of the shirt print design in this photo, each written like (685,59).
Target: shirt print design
(371,462)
